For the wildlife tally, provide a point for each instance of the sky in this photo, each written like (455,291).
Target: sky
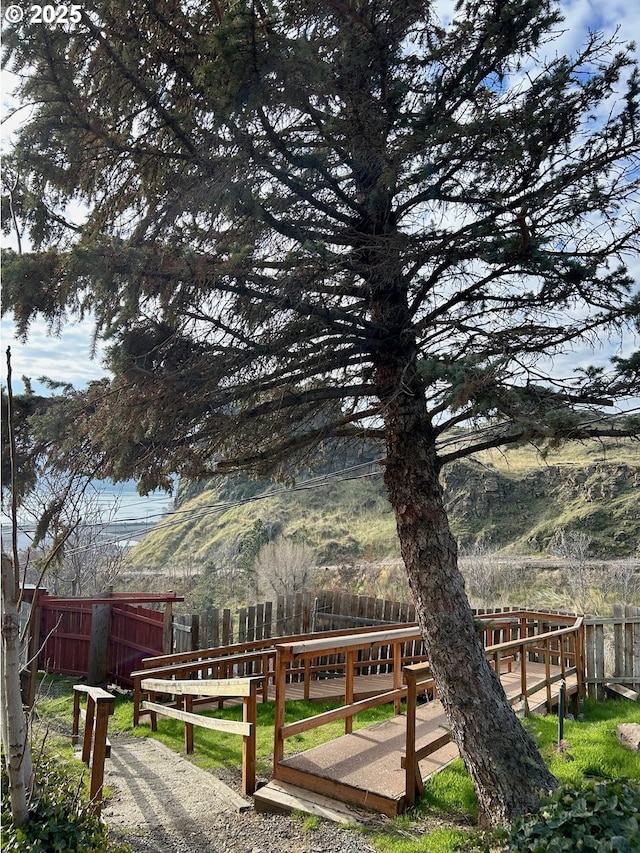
(67,356)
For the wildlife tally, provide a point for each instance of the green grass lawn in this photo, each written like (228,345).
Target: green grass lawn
(444,820)
(590,750)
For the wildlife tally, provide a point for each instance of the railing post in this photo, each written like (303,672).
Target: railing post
(397,673)
(523,677)
(105,707)
(100,706)
(307,678)
(75,729)
(410,743)
(266,657)
(547,672)
(348,689)
(249,715)
(281,686)
(88,729)
(187,705)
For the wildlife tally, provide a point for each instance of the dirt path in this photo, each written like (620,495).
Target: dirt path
(161,803)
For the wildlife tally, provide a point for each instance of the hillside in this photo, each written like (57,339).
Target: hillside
(514,500)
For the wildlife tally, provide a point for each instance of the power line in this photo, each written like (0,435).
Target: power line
(353,472)
(311,483)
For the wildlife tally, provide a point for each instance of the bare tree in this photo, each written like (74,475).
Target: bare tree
(623,580)
(488,579)
(284,566)
(92,558)
(573,547)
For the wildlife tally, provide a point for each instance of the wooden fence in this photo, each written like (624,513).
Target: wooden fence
(612,645)
(300,613)
(612,651)
(63,630)
(104,639)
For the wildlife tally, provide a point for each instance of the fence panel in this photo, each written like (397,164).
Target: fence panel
(612,650)
(183,632)
(136,633)
(65,634)
(132,633)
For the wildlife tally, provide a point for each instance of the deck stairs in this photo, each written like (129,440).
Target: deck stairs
(621,690)
(283,798)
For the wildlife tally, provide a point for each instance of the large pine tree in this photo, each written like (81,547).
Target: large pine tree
(305,220)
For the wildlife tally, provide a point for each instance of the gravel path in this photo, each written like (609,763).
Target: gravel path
(162,803)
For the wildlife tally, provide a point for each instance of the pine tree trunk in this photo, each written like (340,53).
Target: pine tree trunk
(14,730)
(506,767)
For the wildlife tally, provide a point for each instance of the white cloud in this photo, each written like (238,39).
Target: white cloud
(65,357)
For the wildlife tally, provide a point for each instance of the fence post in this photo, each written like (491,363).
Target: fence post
(635,611)
(195,632)
(99,643)
(35,617)
(167,625)
(268,619)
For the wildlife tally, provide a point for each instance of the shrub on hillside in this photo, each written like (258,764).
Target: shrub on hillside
(602,817)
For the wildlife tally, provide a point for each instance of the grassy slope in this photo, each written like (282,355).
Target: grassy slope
(516,499)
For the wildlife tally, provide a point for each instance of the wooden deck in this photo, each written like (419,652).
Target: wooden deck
(365,768)
(333,689)
(380,767)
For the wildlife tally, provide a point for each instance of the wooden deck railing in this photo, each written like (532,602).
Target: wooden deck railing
(348,646)
(538,639)
(517,636)
(100,706)
(252,659)
(244,688)
(562,647)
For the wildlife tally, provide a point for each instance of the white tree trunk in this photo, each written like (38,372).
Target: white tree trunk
(14,729)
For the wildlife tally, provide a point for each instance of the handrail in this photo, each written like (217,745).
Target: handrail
(313,648)
(550,644)
(287,653)
(100,706)
(253,646)
(420,674)
(220,664)
(199,662)
(244,688)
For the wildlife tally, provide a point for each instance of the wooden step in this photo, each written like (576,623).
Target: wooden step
(621,690)
(283,798)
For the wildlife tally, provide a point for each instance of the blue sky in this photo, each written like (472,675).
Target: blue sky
(67,356)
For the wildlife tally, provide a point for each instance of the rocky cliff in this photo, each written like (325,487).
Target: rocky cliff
(514,502)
